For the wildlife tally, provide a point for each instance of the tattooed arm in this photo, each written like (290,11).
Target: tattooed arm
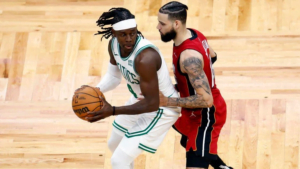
(191,62)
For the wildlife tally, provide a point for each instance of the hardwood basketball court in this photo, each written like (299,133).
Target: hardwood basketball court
(47,50)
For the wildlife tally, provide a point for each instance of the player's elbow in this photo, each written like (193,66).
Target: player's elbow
(205,101)
(209,101)
(153,105)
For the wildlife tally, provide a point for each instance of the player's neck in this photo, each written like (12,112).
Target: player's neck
(181,36)
(124,53)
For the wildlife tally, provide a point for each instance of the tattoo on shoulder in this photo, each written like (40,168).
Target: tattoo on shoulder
(197,76)
(192,65)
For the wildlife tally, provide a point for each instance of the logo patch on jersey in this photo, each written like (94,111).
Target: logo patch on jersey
(130,62)
(175,55)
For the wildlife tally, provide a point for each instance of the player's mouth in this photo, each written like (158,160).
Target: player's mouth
(128,46)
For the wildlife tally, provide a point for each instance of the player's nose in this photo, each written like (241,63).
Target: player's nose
(128,38)
(158,26)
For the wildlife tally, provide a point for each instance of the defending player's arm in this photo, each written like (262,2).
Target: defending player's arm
(113,76)
(146,64)
(191,63)
(213,57)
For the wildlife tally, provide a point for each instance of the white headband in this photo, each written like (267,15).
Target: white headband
(126,24)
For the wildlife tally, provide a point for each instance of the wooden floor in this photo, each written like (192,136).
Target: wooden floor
(47,50)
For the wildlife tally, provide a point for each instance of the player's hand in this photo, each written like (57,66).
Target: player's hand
(83,86)
(106,111)
(163,100)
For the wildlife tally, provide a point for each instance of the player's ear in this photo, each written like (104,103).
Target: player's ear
(176,24)
(113,32)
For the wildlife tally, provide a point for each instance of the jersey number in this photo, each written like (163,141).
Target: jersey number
(131,91)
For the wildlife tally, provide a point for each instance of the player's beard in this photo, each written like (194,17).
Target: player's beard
(167,37)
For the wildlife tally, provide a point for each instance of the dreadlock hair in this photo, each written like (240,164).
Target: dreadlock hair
(111,17)
(175,11)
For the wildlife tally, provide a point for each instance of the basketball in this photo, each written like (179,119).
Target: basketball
(86,99)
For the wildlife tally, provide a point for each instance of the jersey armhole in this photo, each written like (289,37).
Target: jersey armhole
(139,51)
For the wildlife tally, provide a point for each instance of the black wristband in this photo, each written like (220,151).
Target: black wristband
(114,109)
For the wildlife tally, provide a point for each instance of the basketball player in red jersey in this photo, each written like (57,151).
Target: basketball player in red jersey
(203,111)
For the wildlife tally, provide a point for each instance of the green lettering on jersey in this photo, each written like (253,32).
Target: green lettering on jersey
(131,91)
(130,77)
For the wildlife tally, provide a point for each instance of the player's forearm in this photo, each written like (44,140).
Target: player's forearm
(142,106)
(195,101)
(111,79)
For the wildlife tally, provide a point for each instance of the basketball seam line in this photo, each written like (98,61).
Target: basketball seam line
(87,103)
(96,93)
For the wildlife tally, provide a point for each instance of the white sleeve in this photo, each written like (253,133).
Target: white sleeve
(111,79)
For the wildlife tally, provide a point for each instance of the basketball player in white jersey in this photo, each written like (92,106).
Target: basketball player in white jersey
(140,125)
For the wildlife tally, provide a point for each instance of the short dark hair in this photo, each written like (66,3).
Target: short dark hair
(111,17)
(175,11)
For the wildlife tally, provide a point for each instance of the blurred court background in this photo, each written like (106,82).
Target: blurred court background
(47,50)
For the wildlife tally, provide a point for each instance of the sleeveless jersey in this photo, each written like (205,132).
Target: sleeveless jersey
(199,43)
(127,68)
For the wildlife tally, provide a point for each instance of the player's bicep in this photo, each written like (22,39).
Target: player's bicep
(147,69)
(193,66)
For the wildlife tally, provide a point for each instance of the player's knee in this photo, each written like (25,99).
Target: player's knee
(112,145)
(114,141)
(115,161)
(118,162)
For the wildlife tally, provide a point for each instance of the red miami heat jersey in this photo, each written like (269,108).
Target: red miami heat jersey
(202,126)
(199,43)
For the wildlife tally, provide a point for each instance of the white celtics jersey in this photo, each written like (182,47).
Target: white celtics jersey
(127,68)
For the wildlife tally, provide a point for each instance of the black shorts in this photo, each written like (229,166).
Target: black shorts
(194,160)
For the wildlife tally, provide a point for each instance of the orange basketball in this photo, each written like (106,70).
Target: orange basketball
(86,99)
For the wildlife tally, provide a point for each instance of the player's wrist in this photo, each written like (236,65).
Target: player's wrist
(114,110)
(172,102)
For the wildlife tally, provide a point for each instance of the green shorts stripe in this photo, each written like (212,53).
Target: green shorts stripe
(152,149)
(147,149)
(116,125)
(149,128)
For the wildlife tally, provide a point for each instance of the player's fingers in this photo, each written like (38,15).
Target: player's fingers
(93,119)
(82,86)
(103,99)
(93,113)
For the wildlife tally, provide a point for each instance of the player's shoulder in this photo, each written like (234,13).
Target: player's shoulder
(188,53)
(147,54)
(144,46)
(143,42)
